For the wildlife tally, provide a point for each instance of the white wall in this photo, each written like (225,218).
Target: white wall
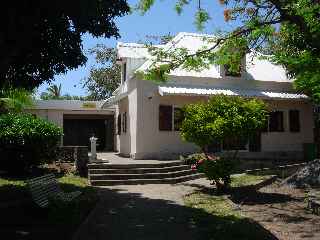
(153,143)
(290,141)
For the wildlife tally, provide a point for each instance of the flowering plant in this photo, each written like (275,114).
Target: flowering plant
(217,169)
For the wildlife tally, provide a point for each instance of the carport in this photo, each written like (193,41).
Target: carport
(79,128)
(79,120)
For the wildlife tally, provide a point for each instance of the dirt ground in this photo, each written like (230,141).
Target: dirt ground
(281,210)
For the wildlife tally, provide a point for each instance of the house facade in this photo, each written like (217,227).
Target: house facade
(147,115)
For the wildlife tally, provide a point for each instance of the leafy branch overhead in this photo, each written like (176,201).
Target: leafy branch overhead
(287,32)
(39,39)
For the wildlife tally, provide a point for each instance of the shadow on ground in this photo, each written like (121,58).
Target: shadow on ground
(121,215)
(251,196)
(21,219)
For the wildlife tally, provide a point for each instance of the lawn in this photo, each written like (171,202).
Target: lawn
(21,219)
(226,221)
(241,180)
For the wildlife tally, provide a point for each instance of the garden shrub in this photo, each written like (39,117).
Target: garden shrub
(26,141)
(216,169)
(210,123)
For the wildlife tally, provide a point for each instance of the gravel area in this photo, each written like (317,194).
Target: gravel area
(282,210)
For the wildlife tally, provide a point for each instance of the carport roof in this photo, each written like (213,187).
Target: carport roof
(69,105)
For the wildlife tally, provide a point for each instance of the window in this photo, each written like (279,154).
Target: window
(178,118)
(235,143)
(124,122)
(231,74)
(165,118)
(294,121)
(124,72)
(276,121)
(119,124)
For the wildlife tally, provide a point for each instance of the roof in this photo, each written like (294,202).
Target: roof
(133,50)
(256,68)
(192,91)
(68,105)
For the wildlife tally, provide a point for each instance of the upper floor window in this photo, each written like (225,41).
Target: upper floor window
(229,73)
(124,72)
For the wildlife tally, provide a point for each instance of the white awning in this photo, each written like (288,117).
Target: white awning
(113,100)
(190,91)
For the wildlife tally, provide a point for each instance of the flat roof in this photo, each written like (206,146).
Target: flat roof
(70,105)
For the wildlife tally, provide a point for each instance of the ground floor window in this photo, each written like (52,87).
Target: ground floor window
(294,121)
(119,124)
(124,122)
(276,121)
(165,118)
(235,143)
(178,118)
(170,118)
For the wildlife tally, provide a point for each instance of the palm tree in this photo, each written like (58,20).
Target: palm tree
(14,100)
(54,91)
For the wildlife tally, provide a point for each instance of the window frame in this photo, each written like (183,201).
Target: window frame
(177,121)
(227,73)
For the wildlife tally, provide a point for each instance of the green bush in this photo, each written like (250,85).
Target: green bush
(212,122)
(221,117)
(26,141)
(216,169)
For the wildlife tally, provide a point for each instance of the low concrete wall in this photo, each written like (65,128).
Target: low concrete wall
(76,154)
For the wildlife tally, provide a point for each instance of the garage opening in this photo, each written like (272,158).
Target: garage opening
(79,128)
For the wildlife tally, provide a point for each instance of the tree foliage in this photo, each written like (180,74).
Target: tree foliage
(26,141)
(105,77)
(287,30)
(222,117)
(54,92)
(14,100)
(39,39)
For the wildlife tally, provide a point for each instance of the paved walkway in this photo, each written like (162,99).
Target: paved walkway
(142,212)
(114,158)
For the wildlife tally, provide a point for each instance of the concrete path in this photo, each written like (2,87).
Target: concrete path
(143,212)
(115,158)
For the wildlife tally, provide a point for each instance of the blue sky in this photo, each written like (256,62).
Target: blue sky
(160,20)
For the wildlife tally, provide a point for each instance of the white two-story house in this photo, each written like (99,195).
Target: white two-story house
(148,114)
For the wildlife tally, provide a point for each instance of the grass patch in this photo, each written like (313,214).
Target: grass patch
(242,180)
(220,219)
(224,223)
(59,221)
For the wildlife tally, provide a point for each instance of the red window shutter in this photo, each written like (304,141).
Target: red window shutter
(276,121)
(119,124)
(294,121)
(165,118)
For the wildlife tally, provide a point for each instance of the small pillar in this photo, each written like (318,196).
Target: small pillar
(93,141)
